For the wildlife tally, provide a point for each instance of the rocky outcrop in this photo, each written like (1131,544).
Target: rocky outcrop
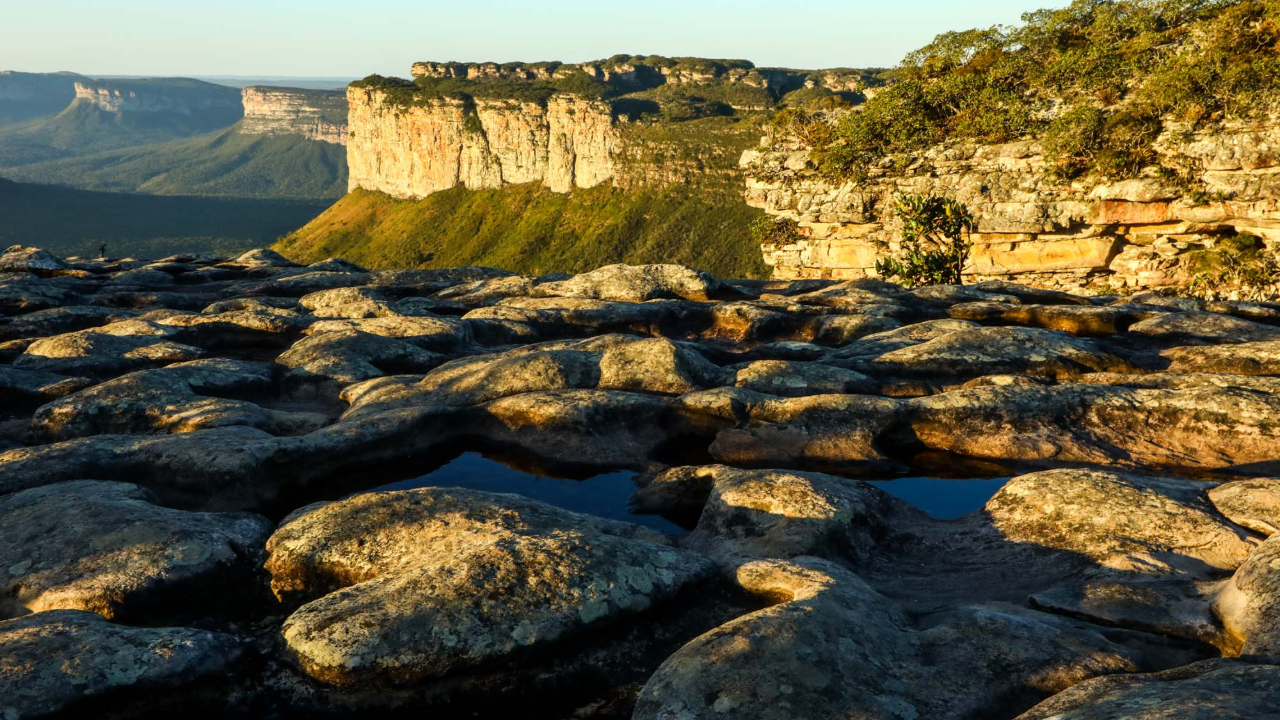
(313,114)
(1127,235)
(254,448)
(423,148)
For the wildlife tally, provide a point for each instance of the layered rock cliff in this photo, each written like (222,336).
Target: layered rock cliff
(624,121)
(415,151)
(313,114)
(1137,233)
(172,95)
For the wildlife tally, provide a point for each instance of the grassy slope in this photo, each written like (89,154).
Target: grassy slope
(222,163)
(84,128)
(68,221)
(529,229)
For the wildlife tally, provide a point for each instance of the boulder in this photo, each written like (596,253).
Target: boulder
(774,513)
(106,547)
(1254,504)
(183,397)
(638,283)
(17,258)
(1248,358)
(425,583)
(1202,328)
(999,350)
(325,362)
(834,647)
(111,349)
(61,659)
(1207,690)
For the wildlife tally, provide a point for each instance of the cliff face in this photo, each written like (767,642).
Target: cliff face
(187,97)
(417,150)
(313,114)
(1139,233)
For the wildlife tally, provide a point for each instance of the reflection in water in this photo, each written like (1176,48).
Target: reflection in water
(943,499)
(604,495)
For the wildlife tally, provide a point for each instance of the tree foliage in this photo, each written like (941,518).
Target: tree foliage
(935,241)
(1109,69)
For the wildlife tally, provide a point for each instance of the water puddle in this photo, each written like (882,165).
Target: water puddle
(943,499)
(603,495)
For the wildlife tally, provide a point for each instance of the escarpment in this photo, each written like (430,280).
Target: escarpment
(415,151)
(627,121)
(176,95)
(1144,232)
(313,114)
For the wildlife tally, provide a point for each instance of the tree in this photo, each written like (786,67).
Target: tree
(935,241)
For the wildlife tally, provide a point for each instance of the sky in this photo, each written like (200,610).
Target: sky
(323,38)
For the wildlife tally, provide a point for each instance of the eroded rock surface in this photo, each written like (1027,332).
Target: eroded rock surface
(427,582)
(142,401)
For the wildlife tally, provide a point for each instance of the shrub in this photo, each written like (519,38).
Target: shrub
(935,242)
(1118,66)
(768,230)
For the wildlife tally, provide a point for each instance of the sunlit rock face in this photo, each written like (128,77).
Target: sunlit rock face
(312,114)
(1031,227)
(414,151)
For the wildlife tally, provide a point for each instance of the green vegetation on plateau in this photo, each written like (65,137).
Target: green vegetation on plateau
(224,163)
(1096,80)
(26,96)
(530,229)
(69,222)
(84,128)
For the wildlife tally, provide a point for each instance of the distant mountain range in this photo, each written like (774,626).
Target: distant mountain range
(172,136)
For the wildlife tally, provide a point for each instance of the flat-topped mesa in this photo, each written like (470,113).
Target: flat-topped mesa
(442,143)
(173,95)
(1146,232)
(313,114)
(622,120)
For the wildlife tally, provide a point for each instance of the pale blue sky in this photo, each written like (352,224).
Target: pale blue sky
(358,37)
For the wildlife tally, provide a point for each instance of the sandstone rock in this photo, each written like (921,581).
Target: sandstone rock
(454,578)
(878,344)
(444,335)
(823,432)
(118,347)
(571,429)
(17,258)
(179,398)
(1203,328)
(836,330)
(1197,429)
(569,317)
(834,647)
(325,362)
(638,283)
(1128,522)
(795,379)
(1084,320)
(1208,690)
(262,258)
(1254,504)
(55,321)
(775,514)
(1249,604)
(107,548)
(1248,358)
(54,660)
(612,362)
(998,350)
(26,386)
